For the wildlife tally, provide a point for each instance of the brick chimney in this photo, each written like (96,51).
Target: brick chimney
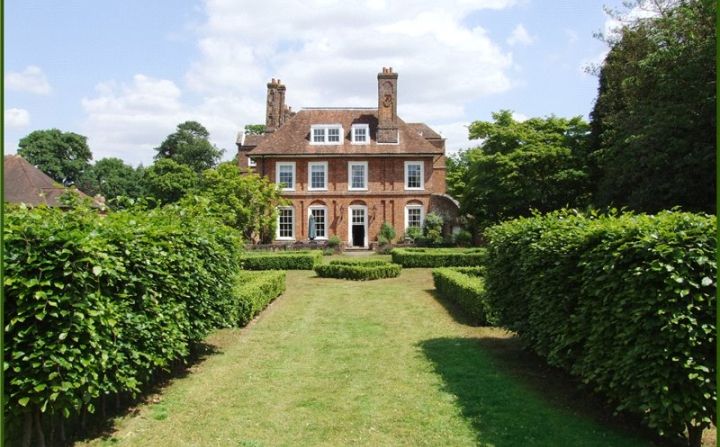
(275,116)
(387,107)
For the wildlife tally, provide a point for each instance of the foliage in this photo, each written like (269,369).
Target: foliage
(254,129)
(387,234)
(334,242)
(358,270)
(627,303)
(248,202)
(189,145)
(281,260)
(413,234)
(466,287)
(254,291)
(463,238)
(111,177)
(432,229)
(438,257)
(538,164)
(654,120)
(61,155)
(96,306)
(168,181)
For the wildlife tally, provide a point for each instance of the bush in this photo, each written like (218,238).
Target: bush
(334,242)
(387,234)
(413,234)
(463,238)
(465,286)
(438,257)
(281,260)
(358,269)
(254,291)
(626,303)
(432,229)
(97,306)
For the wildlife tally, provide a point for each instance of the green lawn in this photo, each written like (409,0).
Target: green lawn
(377,363)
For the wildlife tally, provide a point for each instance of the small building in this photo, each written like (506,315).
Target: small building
(350,168)
(24,183)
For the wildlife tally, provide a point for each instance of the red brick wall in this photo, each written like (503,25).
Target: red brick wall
(385,198)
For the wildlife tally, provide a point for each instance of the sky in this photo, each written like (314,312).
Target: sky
(126,73)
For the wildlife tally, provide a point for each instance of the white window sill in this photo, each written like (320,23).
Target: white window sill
(357,189)
(414,189)
(285,239)
(317,189)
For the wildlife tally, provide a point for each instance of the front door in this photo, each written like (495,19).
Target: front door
(357,226)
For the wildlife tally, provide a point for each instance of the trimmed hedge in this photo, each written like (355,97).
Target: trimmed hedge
(281,260)
(626,303)
(438,257)
(358,270)
(255,290)
(466,287)
(96,306)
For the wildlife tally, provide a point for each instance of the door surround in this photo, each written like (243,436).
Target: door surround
(364,208)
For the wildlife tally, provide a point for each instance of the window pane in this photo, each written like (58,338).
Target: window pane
(285,222)
(286,176)
(358,176)
(414,217)
(360,134)
(333,135)
(319,135)
(413,175)
(319,214)
(358,216)
(317,176)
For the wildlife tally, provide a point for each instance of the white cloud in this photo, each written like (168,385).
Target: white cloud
(520,36)
(327,53)
(32,80)
(16,118)
(456,136)
(613,23)
(519,116)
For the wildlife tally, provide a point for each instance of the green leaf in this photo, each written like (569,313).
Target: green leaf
(23,401)
(97,270)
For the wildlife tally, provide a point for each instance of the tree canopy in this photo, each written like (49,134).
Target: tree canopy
(189,146)
(61,155)
(168,181)
(255,129)
(247,202)
(520,166)
(653,123)
(111,177)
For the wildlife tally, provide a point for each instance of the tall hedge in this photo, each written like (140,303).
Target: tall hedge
(626,303)
(96,305)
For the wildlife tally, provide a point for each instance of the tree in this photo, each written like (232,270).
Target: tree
(111,177)
(254,129)
(247,202)
(189,145)
(61,155)
(521,166)
(653,123)
(168,181)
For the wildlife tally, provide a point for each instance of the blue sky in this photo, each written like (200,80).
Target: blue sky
(126,73)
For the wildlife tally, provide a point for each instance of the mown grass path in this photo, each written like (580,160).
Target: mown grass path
(379,363)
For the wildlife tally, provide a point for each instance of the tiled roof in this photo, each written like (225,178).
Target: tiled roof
(24,183)
(293,137)
(424,131)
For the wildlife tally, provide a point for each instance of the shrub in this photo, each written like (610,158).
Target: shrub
(97,306)
(387,234)
(463,238)
(432,229)
(334,242)
(465,286)
(626,303)
(358,269)
(254,291)
(281,260)
(413,234)
(438,257)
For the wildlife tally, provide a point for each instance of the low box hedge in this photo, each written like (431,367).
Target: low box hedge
(281,260)
(255,290)
(438,257)
(466,287)
(627,303)
(358,270)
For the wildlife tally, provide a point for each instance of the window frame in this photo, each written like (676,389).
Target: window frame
(410,206)
(422,175)
(326,134)
(311,164)
(325,212)
(367,133)
(364,164)
(279,164)
(292,228)
(251,162)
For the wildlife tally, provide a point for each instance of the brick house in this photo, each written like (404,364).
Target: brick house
(351,169)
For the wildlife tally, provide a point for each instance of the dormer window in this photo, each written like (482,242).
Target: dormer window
(326,134)
(360,134)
